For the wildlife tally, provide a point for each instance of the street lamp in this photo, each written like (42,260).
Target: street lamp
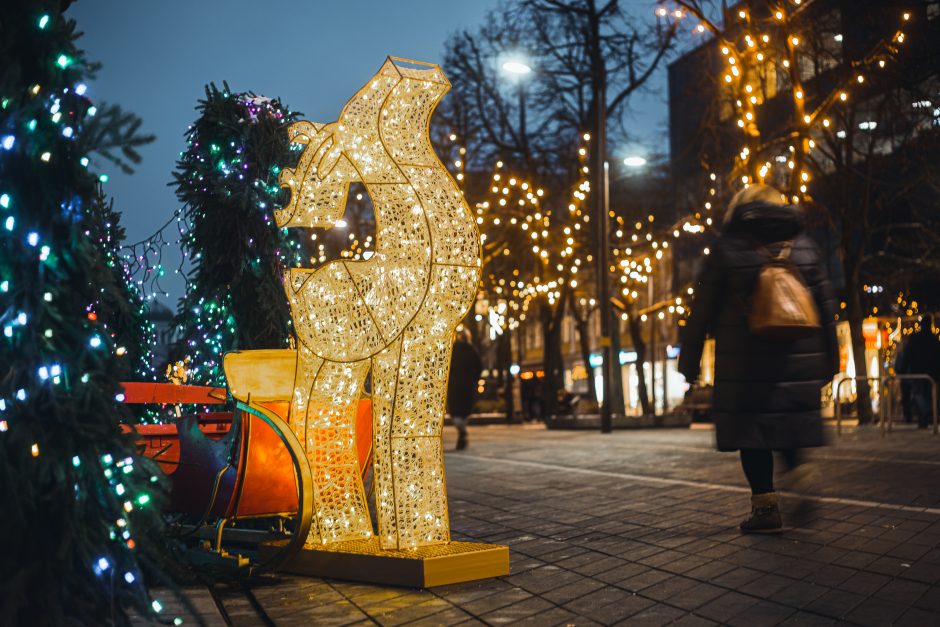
(634,161)
(517,66)
(518,69)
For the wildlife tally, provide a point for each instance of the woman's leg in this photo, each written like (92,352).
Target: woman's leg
(758,465)
(461,423)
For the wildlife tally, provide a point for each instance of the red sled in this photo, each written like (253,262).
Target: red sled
(247,463)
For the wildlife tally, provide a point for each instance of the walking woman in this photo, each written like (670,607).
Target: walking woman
(767,391)
(465,369)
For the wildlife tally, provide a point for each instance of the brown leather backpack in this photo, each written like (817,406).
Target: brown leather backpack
(781,305)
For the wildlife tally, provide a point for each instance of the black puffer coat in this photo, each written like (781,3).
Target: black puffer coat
(767,392)
(465,369)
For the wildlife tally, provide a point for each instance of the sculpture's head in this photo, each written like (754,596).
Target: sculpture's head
(320,182)
(384,125)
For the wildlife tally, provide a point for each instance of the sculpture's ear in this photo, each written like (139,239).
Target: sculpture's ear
(303,132)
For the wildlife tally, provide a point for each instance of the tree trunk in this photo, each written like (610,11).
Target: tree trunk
(584,342)
(548,389)
(505,361)
(617,402)
(856,317)
(552,362)
(636,334)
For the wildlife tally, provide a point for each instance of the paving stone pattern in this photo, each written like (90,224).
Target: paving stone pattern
(640,528)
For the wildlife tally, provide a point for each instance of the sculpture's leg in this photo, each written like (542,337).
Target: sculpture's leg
(308,365)
(329,439)
(408,470)
(384,383)
(409,391)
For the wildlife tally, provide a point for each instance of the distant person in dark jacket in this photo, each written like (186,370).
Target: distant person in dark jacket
(465,369)
(920,354)
(767,393)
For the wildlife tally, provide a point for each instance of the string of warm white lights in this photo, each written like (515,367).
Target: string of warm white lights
(755,48)
(513,232)
(529,252)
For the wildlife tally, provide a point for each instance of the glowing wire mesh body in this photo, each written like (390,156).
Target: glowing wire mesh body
(395,312)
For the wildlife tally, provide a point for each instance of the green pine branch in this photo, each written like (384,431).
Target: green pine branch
(115,135)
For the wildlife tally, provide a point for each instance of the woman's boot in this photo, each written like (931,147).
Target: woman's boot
(765,515)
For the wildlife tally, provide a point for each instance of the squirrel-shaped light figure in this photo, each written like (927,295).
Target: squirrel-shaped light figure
(394,313)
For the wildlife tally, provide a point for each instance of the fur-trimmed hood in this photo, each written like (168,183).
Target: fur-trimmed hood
(766,222)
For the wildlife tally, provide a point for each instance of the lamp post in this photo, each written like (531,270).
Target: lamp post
(599,169)
(636,161)
(519,69)
(614,372)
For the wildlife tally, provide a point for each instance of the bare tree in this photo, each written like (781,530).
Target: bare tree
(879,194)
(587,61)
(816,114)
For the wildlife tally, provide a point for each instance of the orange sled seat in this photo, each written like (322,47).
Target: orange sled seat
(262,383)
(235,464)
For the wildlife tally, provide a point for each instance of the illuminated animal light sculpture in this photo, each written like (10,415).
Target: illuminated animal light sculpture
(394,313)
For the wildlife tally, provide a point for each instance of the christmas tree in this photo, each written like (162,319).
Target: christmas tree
(227,182)
(120,307)
(77,508)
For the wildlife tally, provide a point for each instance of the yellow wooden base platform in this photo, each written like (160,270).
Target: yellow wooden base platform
(424,567)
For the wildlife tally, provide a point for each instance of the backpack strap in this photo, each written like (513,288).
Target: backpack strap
(783,255)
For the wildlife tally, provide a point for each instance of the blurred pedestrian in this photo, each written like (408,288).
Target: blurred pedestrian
(531,390)
(767,392)
(920,354)
(465,369)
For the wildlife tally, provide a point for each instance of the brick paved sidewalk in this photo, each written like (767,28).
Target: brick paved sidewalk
(639,528)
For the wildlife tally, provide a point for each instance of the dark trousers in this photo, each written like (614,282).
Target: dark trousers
(758,465)
(916,397)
